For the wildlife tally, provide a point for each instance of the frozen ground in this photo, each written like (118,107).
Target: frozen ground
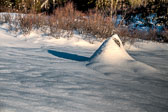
(42,74)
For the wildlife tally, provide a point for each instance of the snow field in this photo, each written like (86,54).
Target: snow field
(43,74)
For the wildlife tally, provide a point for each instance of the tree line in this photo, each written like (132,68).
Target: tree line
(127,8)
(83,5)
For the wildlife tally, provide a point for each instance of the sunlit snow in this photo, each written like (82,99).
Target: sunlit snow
(42,74)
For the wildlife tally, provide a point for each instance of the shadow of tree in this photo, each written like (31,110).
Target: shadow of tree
(68,56)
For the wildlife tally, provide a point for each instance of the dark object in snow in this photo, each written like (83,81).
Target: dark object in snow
(117,42)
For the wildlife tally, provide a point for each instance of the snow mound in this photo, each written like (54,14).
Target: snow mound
(112,55)
(111,52)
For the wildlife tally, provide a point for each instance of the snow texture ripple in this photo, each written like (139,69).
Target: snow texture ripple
(39,77)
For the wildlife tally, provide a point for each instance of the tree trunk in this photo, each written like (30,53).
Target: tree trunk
(111,8)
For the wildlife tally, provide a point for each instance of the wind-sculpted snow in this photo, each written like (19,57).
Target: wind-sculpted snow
(111,56)
(40,77)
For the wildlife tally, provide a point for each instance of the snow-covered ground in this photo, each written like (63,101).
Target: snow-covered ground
(42,74)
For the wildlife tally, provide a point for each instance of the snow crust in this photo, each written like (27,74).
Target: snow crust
(41,74)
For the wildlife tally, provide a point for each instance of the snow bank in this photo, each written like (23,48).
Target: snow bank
(143,45)
(39,38)
(111,54)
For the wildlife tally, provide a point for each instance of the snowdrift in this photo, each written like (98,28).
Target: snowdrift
(111,52)
(112,55)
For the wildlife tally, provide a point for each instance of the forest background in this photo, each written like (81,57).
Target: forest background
(153,13)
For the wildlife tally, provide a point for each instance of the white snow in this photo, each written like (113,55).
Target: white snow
(111,56)
(41,74)
(110,52)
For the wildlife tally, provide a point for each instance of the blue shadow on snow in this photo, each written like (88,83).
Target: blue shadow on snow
(68,55)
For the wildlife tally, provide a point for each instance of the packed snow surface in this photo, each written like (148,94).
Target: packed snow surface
(41,74)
